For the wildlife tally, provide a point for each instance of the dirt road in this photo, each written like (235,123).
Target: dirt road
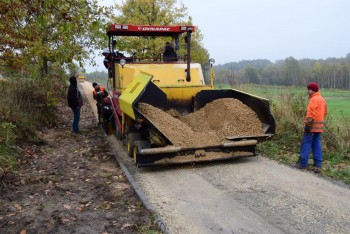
(253,195)
(70,183)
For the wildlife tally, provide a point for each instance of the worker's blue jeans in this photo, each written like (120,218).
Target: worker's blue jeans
(311,141)
(76,119)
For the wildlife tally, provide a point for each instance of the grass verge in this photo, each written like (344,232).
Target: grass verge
(289,107)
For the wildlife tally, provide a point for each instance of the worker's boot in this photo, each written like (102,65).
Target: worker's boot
(299,166)
(317,169)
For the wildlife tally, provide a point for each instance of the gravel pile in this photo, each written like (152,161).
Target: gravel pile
(208,126)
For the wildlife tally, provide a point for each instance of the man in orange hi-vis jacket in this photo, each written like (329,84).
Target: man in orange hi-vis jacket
(99,94)
(314,122)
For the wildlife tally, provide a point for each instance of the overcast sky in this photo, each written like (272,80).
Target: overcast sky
(236,30)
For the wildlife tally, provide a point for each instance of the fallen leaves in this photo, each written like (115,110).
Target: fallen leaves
(18,207)
(80,208)
(68,207)
(67,187)
(107,205)
(88,204)
(121,186)
(126,225)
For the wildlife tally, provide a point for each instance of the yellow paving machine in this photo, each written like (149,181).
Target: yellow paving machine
(179,85)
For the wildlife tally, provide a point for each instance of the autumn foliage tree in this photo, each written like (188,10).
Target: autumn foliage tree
(157,12)
(42,34)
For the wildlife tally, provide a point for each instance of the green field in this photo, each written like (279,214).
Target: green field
(338,101)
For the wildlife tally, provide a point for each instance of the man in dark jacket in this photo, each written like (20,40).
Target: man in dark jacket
(169,54)
(107,61)
(110,57)
(74,102)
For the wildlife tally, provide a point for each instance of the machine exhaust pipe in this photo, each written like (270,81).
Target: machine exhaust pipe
(188,42)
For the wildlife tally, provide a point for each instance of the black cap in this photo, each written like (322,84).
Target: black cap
(94,84)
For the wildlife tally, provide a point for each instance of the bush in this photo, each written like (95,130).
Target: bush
(26,105)
(8,159)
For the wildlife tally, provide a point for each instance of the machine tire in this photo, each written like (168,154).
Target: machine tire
(138,146)
(130,142)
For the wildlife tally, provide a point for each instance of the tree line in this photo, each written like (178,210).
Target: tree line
(328,73)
